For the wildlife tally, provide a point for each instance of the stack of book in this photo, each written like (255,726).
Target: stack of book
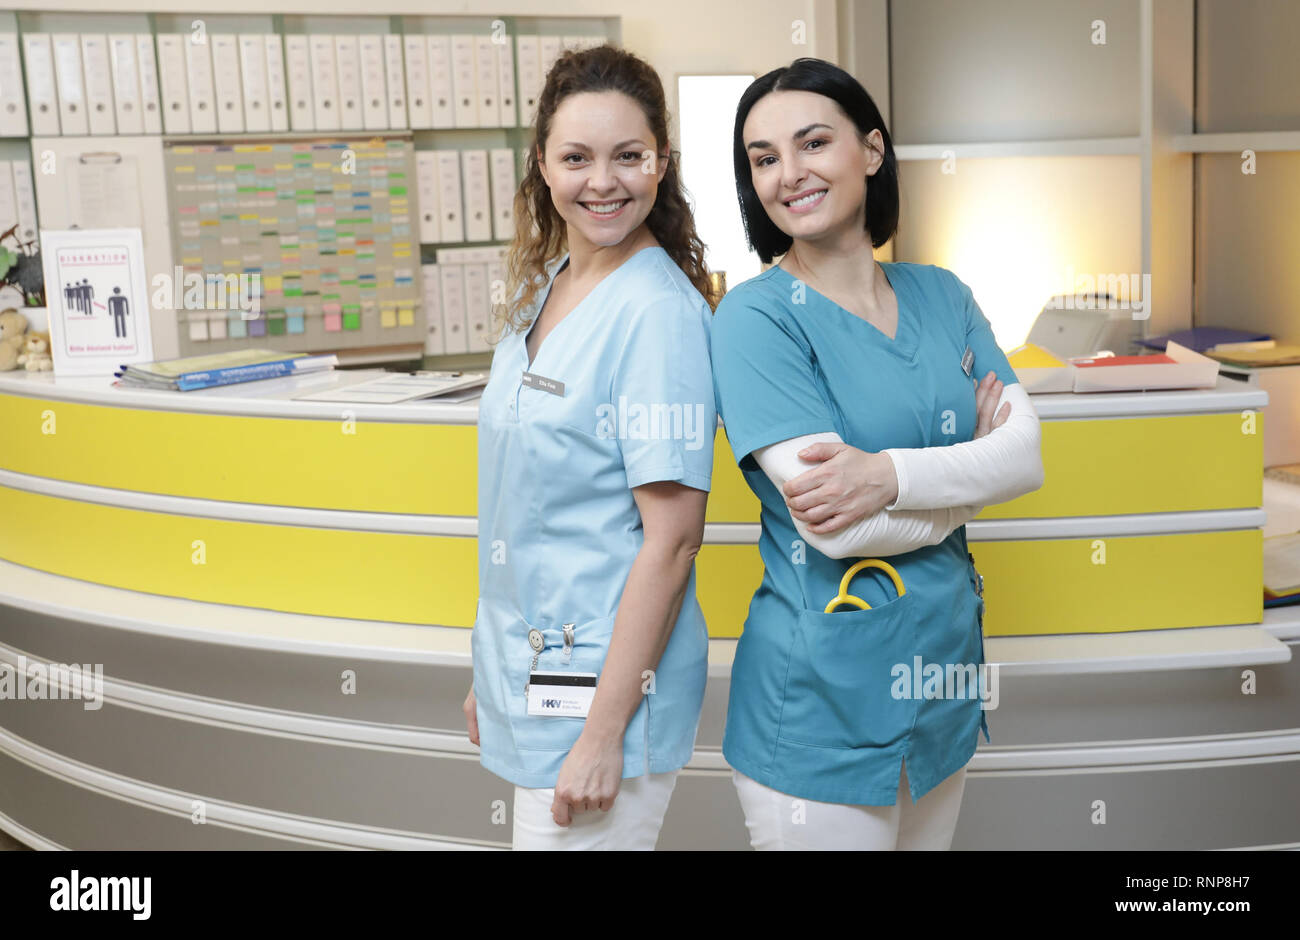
(228,368)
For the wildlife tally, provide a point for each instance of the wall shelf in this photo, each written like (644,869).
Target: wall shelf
(1079,147)
(1238,141)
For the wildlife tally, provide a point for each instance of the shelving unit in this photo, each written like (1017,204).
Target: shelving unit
(300,19)
(1158,81)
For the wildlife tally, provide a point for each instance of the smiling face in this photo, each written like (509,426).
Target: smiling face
(809,164)
(602,168)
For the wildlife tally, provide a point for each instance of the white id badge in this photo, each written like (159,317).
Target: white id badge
(561,694)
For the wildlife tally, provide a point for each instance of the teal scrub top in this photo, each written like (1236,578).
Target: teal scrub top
(827,706)
(558,527)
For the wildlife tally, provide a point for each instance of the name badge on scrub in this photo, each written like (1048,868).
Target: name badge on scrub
(542,383)
(561,694)
(967,361)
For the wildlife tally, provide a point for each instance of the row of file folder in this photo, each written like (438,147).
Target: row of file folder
(458,293)
(82,83)
(465,195)
(17,199)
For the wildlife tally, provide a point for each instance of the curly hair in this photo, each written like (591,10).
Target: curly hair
(540,234)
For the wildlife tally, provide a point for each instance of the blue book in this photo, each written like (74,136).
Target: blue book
(1201,338)
(228,368)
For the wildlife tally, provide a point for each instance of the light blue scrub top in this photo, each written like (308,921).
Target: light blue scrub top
(814,708)
(558,528)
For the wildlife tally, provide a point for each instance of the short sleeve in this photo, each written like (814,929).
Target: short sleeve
(763,378)
(661,391)
(979,337)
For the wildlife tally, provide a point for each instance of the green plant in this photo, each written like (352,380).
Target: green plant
(20,267)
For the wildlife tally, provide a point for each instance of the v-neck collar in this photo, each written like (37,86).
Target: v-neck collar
(904,344)
(550,282)
(528,366)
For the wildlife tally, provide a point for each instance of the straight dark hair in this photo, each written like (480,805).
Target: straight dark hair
(823,78)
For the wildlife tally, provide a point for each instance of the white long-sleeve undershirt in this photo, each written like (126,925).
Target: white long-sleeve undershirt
(1011,465)
(1005,463)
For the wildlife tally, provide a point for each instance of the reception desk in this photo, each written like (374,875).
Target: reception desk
(278,593)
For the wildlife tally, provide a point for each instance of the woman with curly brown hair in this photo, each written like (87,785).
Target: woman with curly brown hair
(595,456)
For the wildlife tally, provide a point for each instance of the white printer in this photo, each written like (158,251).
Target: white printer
(1087,324)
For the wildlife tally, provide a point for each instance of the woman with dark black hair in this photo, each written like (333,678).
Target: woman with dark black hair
(850,398)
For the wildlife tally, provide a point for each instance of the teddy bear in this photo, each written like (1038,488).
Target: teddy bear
(37,356)
(13,339)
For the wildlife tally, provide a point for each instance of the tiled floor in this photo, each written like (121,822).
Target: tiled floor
(8,844)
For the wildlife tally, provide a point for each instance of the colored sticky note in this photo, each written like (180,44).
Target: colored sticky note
(351,321)
(405,316)
(387,317)
(332,322)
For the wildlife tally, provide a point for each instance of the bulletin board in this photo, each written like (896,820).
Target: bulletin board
(325,224)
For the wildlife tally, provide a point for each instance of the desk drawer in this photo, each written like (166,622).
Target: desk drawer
(1175,463)
(1116,584)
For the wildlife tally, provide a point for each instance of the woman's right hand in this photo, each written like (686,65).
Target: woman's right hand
(987,394)
(470,708)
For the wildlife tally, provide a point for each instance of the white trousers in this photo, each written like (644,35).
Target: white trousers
(632,824)
(779,821)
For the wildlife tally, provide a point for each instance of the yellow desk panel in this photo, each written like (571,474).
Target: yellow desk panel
(1108,585)
(1175,463)
(393,577)
(426,469)
(726,577)
(730,498)
(327,572)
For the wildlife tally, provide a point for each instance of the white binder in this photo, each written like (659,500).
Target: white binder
(451,279)
(25,201)
(463,85)
(502,165)
(98,73)
(442,106)
(506,95)
(417,80)
(496,278)
(175,86)
(488,80)
(150,100)
(302,110)
(551,48)
(395,70)
(478,308)
(452,226)
(277,101)
(42,94)
(374,94)
(72,93)
(529,51)
(8,204)
(426,190)
(478,206)
(198,73)
(351,113)
(147,68)
(226,83)
(431,294)
(126,84)
(324,83)
(252,68)
(13,109)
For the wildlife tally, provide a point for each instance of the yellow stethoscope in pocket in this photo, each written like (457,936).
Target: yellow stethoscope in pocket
(844,597)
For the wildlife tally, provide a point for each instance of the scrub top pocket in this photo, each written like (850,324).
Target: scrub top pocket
(838,688)
(554,733)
